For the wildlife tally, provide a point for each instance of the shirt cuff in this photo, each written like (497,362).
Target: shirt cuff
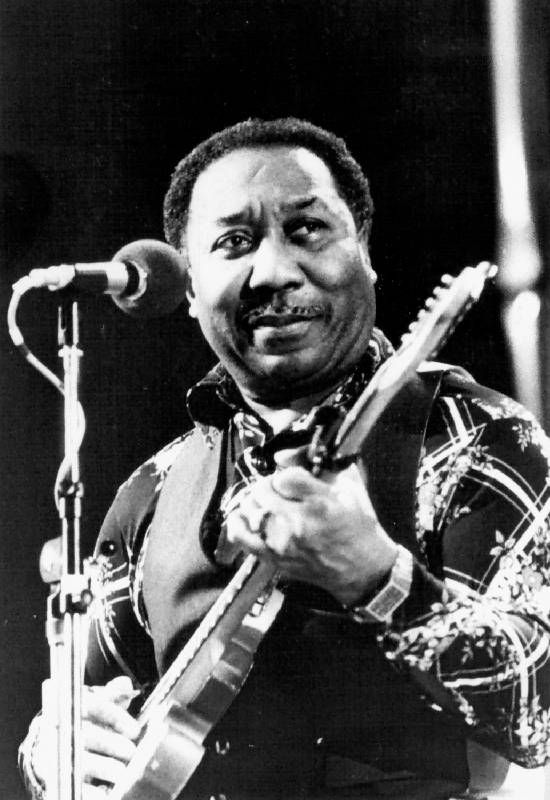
(380,606)
(34,786)
(425,590)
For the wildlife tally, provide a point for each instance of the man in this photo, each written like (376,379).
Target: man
(411,620)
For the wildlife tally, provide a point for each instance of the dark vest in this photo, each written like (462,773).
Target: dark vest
(323,713)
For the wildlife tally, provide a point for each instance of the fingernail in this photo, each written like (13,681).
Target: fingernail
(129,695)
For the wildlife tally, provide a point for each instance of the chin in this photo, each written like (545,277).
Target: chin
(293,373)
(280,379)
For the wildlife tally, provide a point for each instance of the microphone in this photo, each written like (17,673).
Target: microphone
(145,278)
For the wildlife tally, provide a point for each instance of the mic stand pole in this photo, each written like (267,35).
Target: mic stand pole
(70,594)
(517,50)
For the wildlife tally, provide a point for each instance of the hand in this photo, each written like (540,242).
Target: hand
(322,533)
(108,733)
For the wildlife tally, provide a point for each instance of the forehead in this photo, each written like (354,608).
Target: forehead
(276,175)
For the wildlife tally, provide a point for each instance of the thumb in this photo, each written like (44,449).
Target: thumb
(295,457)
(295,483)
(121,690)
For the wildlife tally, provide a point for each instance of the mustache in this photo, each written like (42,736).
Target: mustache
(248,314)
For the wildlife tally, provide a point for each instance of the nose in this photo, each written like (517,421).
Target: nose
(275,265)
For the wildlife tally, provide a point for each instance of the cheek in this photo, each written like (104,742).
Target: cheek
(347,270)
(216,290)
(216,302)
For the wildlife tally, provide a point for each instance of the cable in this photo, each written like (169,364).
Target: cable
(20,288)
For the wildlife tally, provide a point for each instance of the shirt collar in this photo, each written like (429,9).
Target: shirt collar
(214,400)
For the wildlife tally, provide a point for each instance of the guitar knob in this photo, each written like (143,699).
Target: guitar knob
(108,548)
(260,463)
(222,748)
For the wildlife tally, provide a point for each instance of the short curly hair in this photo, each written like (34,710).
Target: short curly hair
(350,180)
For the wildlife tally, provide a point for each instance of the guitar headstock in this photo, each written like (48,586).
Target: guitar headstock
(431,329)
(445,308)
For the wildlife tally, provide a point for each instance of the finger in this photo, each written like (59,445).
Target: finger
(101,768)
(295,483)
(275,543)
(252,513)
(349,486)
(121,690)
(239,533)
(100,709)
(226,552)
(106,742)
(279,533)
(90,792)
(296,457)
(255,517)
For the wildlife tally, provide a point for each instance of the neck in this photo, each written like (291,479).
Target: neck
(281,416)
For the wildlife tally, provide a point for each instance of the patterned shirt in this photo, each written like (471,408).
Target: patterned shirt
(484,501)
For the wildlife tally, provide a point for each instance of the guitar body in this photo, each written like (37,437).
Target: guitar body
(200,685)
(166,758)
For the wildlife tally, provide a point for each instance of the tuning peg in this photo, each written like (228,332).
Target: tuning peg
(446,279)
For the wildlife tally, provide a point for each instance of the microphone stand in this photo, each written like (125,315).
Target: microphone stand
(70,596)
(518,48)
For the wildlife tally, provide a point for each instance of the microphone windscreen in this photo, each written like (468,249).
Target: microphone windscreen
(165,269)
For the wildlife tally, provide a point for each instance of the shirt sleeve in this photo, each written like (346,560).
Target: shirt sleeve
(474,631)
(119,642)
(34,787)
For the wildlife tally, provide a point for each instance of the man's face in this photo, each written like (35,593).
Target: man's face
(281,281)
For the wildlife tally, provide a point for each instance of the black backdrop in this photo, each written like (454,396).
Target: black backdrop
(99,99)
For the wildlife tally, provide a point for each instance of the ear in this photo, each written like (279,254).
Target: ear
(365,257)
(190,293)
(189,288)
(188,278)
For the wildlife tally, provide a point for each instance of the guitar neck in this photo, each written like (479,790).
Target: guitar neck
(252,580)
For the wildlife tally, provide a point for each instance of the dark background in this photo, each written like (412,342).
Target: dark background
(99,100)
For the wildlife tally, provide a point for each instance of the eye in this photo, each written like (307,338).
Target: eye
(234,244)
(307,230)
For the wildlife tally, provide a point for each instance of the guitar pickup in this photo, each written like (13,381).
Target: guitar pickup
(261,602)
(259,605)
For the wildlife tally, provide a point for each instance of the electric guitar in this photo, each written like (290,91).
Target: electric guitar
(210,670)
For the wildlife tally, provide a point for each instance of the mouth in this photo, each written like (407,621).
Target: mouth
(280,316)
